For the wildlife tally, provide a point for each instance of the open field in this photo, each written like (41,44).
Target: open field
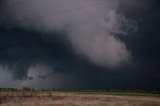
(78,99)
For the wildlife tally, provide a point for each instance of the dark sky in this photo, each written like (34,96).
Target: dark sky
(94,44)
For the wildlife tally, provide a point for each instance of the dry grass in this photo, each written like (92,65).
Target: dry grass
(73,99)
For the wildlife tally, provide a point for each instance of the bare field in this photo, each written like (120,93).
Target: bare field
(73,99)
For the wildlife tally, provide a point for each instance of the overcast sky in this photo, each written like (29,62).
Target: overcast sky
(80,44)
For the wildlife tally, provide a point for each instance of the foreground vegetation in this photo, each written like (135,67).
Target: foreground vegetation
(102,92)
(32,97)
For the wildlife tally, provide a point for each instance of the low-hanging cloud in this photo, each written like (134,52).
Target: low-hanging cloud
(92,26)
(33,80)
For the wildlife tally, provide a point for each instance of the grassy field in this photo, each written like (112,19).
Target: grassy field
(61,98)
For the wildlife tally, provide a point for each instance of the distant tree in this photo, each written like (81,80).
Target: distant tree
(27,89)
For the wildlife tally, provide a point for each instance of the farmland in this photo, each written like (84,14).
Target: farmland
(64,98)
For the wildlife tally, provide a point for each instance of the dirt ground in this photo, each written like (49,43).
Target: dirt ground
(73,99)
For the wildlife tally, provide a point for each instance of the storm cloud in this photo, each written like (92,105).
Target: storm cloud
(92,26)
(53,42)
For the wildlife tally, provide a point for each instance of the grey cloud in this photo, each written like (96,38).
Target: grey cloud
(92,30)
(6,78)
